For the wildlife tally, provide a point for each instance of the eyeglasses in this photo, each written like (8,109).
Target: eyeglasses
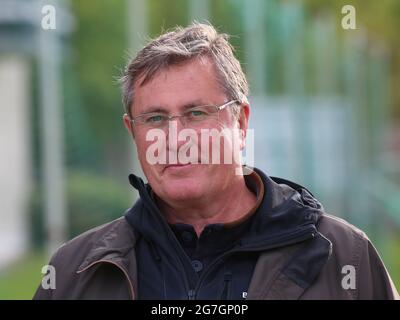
(191,117)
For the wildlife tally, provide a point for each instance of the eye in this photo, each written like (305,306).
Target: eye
(155,119)
(197,113)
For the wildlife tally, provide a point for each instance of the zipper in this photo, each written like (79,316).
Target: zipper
(303,235)
(227,285)
(131,291)
(191,294)
(147,201)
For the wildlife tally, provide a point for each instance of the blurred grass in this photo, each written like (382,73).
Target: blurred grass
(20,280)
(390,254)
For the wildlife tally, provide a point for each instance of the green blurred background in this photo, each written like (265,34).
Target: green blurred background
(325,110)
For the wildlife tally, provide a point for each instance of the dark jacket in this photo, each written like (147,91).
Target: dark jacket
(302,253)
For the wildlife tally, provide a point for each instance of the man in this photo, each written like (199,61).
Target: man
(202,229)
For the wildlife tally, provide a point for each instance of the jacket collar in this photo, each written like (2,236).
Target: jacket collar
(286,209)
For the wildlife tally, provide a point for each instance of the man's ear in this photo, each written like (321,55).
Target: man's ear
(128,124)
(243,123)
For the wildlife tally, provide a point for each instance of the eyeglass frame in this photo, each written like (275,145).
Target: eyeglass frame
(169,118)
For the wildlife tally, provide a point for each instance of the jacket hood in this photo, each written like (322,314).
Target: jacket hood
(287,211)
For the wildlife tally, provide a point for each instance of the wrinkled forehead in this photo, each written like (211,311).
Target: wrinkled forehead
(176,85)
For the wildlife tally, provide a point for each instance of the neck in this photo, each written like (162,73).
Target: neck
(227,206)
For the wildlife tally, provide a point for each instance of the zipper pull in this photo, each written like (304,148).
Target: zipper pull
(191,294)
(226,291)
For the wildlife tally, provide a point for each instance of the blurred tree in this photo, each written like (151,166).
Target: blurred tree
(164,15)
(99,43)
(381,19)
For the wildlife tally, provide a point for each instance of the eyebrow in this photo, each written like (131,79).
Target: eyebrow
(160,109)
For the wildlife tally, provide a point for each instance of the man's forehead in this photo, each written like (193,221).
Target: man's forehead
(192,83)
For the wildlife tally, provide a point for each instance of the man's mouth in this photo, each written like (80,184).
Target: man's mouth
(177,166)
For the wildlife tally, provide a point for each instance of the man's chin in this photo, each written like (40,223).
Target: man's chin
(183,182)
(183,189)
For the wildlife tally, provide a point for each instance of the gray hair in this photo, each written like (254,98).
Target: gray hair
(181,45)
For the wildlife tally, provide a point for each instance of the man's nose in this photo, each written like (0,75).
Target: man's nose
(175,126)
(180,121)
